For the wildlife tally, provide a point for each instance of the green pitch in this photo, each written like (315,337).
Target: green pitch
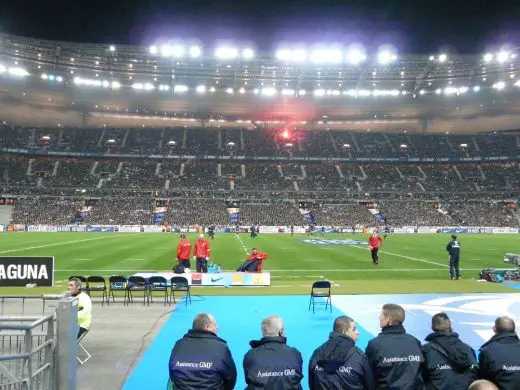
(408,263)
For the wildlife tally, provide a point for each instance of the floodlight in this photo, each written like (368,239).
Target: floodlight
(195,51)
(386,56)
(403,146)
(476,88)
(431,58)
(488,57)
(502,56)
(302,92)
(180,89)
(212,89)
(112,48)
(443,57)
(226,53)
(231,143)
(364,92)
(463,89)
(356,56)
(463,145)
(153,49)
(422,92)
(517,84)
(19,72)
(333,56)
(242,90)
(229,90)
(287,92)
(116,85)
(299,55)
(319,92)
(59,79)
(283,54)
(164,87)
(105,83)
(3,69)
(44,76)
(178,51)
(346,145)
(438,91)
(172,143)
(248,54)
(268,91)
(450,90)
(166,50)
(499,86)
(200,89)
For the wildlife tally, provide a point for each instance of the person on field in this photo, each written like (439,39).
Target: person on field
(453,249)
(183,252)
(374,243)
(201,253)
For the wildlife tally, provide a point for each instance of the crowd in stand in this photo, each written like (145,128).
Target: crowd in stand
(392,360)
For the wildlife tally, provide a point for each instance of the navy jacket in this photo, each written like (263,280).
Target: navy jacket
(396,359)
(453,248)
(450,363)
(272,364)
(499,361)
(338,364)
(201,360)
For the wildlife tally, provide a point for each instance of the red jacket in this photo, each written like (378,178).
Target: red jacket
(375,242)
(201,249)
(260,256)
(184,249)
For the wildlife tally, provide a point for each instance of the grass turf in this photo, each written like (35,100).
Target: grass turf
(408,263)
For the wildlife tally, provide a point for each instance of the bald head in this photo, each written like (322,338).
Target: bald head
(482,384)
(204,322)
(272,327)
(504,325)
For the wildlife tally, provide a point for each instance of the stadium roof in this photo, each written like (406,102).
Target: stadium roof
(203,83)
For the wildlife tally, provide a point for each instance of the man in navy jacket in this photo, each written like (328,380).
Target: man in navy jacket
(499,359)
(271,363)
(338,364)
(395,357)
(450,363)
(201,360)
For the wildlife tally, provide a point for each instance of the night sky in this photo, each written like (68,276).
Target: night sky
(464,26)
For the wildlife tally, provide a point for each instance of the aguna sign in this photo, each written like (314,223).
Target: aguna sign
(19,271)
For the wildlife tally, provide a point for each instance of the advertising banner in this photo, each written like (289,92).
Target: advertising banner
(42,228)
(218,279)
(19,271)
(100,229)
(15,228)
(128,228)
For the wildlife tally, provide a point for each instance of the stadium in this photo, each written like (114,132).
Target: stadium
(110,152)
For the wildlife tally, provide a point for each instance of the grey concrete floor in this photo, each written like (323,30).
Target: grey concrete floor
(115,339)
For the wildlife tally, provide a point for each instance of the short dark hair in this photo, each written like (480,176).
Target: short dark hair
(201,321)
(395,313)
(454,236)
(183,236)
(441,323)
(504,325)
(254,249)
(482,384)
(342,324)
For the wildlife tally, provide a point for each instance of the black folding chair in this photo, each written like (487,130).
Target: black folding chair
(180,283)
(320,289)
(98,283)
(136,283)
(158,283)
(116,283)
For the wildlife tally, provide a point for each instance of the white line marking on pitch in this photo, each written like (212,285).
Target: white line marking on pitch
(241,243)
(406,257)
(60,243)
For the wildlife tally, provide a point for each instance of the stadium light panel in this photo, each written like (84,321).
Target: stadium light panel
(3,69)
(502,56)
(463,90)
(283,54)
(195,51)
(299,55)
(329,56)
(178,51)
(153,49)
(18,72)
(116,85)
(44,76)
(269,91)
(364,92)
(59,79)
(180,89)
(248,54)
(226,53)
(287,92)
(517,84)
(422,92)
(166,50)
(499,86)
(333,92)
(164,88)
(112,48)
(229,91)
(386,57)
(319,92)
(450,90)
(356,56)
(443,57)
(302,92)
(476,88)
(431,58)
(200,89)
(488,57)
(438,91)
(212,89)
(242,90)
(105,83)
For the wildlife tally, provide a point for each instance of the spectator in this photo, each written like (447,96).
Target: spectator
(450,364)
(499,359)
(395,356)
(202,360)
(271,363)
(84,305)
(338,363)
(482,384)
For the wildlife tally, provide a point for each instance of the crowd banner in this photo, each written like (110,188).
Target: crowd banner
(20,271)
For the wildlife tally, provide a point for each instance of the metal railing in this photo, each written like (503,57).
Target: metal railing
(27,345)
